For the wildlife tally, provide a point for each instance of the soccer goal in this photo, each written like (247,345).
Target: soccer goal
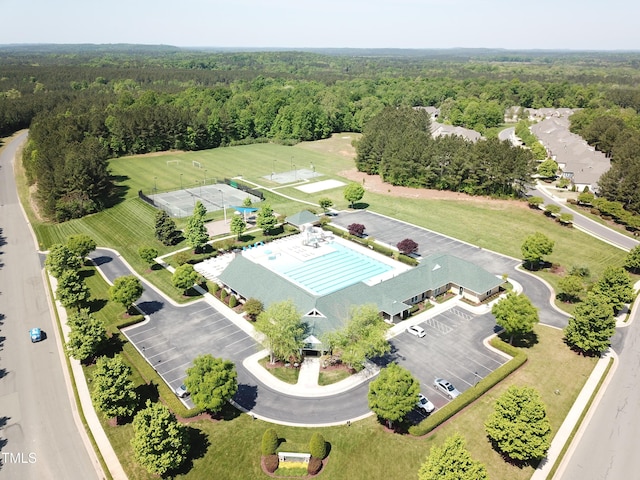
(196,164)
(173,162)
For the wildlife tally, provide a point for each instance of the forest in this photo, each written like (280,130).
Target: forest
(85,104)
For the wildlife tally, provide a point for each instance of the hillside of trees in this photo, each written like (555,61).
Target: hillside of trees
(85,104)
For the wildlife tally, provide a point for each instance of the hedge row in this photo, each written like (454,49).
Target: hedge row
(471,395)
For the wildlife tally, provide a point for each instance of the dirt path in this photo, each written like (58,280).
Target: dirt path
(373,183)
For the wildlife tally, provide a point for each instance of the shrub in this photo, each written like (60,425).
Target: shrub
(223,294)
(214,288)
(594,211)
(407,246)
(314,466)
(233,301)
(271,463)
(253,307)
(318,446)
(269,442)
(182,257)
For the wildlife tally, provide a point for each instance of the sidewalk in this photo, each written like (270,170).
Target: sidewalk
(91,417)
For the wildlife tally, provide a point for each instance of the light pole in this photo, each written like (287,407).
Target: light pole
(180,181)
(223,209)
(295,172)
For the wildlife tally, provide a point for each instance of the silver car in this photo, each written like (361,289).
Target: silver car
(446,387)
(181,391)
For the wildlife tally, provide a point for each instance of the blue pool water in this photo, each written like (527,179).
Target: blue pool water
(335,270)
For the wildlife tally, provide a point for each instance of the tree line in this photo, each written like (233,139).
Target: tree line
(397,144)
(84,106)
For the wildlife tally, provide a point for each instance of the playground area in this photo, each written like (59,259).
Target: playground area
(180,203)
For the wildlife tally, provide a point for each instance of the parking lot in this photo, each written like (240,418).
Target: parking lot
(176,335)
(451,349)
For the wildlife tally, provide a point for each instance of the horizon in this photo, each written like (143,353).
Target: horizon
(571,25)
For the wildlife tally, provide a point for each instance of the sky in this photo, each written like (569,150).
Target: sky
(538,24)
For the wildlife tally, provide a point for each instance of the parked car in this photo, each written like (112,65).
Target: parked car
(182,391)
(446,387)
(35,334)
(416,330)
(425,404)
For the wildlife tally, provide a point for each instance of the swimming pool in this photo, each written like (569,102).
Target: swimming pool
(333,271)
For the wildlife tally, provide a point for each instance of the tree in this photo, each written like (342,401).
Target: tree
(519,427)
(535,247)
(196,232)
(535,202)
(363,337)
(87,334)
(61,258)
(184,277)
(81,245)
(160,443)
(592,325)
(452,461)
(247,202)
(238,226)
(393,394)
(148,254)
(125,290)
(552,209)
(72,291)
(113,393)
(570,288)
(253,307)
(632,261)
(353,193)
(325,204)
(212,382)
(516,314)
(356,229)
(548,168)
(615,284)
(407,246)
(166,230)
(566,218)
(266,220)
(586,198)
(283,329)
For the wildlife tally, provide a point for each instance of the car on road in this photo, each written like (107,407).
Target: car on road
(424,404)
(182,391)
(446,387)
(35,334)
(416,330)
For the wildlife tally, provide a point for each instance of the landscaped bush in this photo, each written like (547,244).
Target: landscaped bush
(314,466)
(318,446)
(214,288)
(233,301)
(271,463)
(471,395)
(407,246)
(223,294)
(270,443)
(356,229)
(182,257)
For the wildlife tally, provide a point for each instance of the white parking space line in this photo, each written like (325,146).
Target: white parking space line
(146,339)
(237,341)
(161,353)
(246,348)
(140,332)
(437,325)
(201,310)
(179,366)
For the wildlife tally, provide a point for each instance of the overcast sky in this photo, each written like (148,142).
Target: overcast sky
(538,24)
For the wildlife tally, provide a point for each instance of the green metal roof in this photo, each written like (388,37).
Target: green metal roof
(301,218)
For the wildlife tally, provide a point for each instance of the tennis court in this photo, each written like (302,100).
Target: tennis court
(180,203)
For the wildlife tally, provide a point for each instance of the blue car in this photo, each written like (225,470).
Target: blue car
(35,334)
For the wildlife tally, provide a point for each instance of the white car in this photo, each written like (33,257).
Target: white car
(446,387)
(181,391)
(424,404)
(417,331)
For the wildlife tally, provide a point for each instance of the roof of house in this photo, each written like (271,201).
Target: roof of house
(440,130)
(325,313)
(577,158)
(301,218)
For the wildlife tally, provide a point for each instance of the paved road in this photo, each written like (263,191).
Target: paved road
(586,224)
(38,436)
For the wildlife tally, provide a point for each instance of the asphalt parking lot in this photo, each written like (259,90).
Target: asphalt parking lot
(451,349)
(176,335)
